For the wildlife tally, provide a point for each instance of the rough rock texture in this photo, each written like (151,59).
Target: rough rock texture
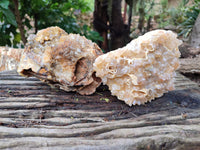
(143,69)
(61,59)
(9,58)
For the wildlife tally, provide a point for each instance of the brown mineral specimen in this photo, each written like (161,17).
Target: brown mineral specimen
(61,59)
(143,69)
(9,58)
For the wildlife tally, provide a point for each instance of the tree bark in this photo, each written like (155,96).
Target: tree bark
(142,14)
(36,22)
(100,22)
(35,116)
(195,36)
(130,14)
(125,10)
(119,32)
(149,26)
(19,21)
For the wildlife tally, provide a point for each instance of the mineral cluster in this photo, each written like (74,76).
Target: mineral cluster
(9,58)
(142,70)
(61,59)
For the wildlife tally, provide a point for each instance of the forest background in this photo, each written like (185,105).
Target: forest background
(110,23)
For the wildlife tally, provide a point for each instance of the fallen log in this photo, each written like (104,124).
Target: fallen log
(35,116)
(190,65)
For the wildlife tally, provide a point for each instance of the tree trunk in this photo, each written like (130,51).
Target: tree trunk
(142,14)
(125,10)
(36,22)
(119,32)
(100,22)
(149,26)
(19,21)
(130,14)
(195,36)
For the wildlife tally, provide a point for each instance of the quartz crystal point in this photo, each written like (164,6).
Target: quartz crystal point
(61,59)
(142,70)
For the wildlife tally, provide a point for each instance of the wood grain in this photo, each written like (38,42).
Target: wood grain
(35,116)
(190,65)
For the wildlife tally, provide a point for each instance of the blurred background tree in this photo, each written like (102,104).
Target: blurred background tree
(109,23)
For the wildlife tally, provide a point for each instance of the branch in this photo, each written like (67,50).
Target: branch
(130,14)
(36,22)
(19,21)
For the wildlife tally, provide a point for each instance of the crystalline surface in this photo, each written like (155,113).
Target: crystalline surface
(143,69)
(9,58)
(61,59)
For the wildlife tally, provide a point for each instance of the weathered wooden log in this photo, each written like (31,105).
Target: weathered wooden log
(190,65)
(188,51)
(35,116)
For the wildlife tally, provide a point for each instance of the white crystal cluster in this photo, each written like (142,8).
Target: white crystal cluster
(142,70)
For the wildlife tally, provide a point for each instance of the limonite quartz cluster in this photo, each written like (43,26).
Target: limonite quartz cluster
(137,73)
(62,60)
(142,70)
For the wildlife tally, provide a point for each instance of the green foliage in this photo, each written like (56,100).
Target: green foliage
(90,4)
(180,18)
(86,30)
(105,99)
(163,17)
(188,18)
(7,23)
(147,11)
(164,3)
(39,14)
(4,4)
(183,17)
